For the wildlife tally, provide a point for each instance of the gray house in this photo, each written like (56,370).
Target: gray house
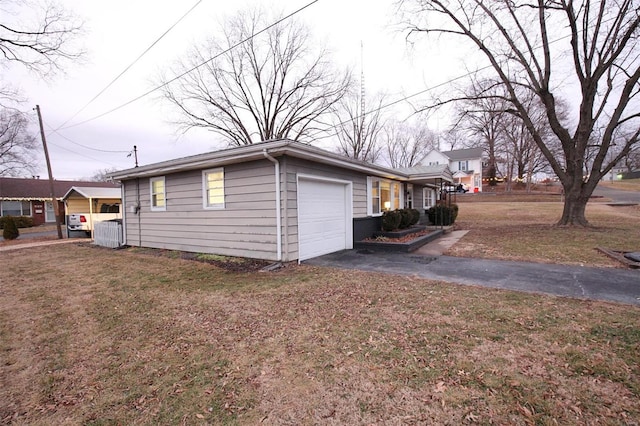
(276,200)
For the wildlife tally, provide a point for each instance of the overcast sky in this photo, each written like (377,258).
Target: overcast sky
(118,31)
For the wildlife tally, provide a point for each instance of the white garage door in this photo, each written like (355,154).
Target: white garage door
(324,217)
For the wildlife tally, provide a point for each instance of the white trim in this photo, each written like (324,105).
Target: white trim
(348,194)
(392,183)
(205,198)
(164,186)
(276,165)
(123,211)
(424,197)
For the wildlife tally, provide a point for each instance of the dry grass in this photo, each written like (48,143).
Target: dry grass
(625,185)
(131,338)
(525,231)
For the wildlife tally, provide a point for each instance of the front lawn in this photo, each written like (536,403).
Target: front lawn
(100,337)
(517,230)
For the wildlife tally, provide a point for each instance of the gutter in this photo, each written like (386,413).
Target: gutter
(278,207)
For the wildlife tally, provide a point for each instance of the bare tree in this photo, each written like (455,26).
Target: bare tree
(42,44)
(253,84)
(406,145)
(359,133)
(102,175)
(481,113)
(551,48)
(632,160)
(16,144)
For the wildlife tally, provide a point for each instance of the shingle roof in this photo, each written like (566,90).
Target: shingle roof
(39,189)
(464,154)
(259,151)
(419,170)
(94,192)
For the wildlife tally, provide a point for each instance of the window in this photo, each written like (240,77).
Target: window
(463,165)
(375,197)
(158,195)
(396,195)
(429,197)
(213,189)
(434,163)
(408,201)
(110,208)
(15,208)
(384,195)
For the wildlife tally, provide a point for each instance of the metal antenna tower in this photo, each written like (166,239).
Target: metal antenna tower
(362,97)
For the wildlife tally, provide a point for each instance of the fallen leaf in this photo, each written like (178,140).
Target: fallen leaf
(440,387)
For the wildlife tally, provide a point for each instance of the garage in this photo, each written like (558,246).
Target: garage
(324,216)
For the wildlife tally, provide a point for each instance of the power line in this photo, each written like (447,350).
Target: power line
(85,146)
(82,155)
(279,21)
(130,65)
(397,101)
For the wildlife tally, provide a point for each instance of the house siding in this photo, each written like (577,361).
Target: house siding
(245,227)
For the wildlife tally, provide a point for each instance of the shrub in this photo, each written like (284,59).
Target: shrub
(10,231)
(442,214)
(405,218)
(415,216)
(20,221)
(391,220)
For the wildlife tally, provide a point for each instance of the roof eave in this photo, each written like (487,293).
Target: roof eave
(251,153)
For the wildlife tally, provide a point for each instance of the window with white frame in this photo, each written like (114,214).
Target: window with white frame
(158,194)
(213,188)
(429,197)
(374,198)
(384,195)
(463,165)
(15,208)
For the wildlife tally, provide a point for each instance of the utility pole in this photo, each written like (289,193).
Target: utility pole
(135,154)
(56,207)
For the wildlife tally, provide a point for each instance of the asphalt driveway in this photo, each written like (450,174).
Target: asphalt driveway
(609,284)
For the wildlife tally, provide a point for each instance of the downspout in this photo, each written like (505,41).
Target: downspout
(123,214)
(138,212)
(278,207)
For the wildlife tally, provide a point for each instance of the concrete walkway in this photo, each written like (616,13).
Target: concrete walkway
(36,244)
(609,284)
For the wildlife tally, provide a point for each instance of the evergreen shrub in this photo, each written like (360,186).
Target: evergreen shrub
(10,231)
(442,215)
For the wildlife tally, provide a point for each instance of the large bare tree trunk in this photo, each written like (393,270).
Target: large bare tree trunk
(575,205)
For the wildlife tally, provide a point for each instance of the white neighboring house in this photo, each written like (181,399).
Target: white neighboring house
(465,164)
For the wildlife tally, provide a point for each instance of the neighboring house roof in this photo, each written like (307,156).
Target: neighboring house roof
(274,149)
(462,173)
(39,189)
(417,173)
(93,192)
(464,154)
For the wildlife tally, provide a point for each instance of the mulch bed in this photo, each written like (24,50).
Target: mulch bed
(404,239)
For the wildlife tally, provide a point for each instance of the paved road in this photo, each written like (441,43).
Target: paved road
(32,235)
(618,195)
(617,285)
